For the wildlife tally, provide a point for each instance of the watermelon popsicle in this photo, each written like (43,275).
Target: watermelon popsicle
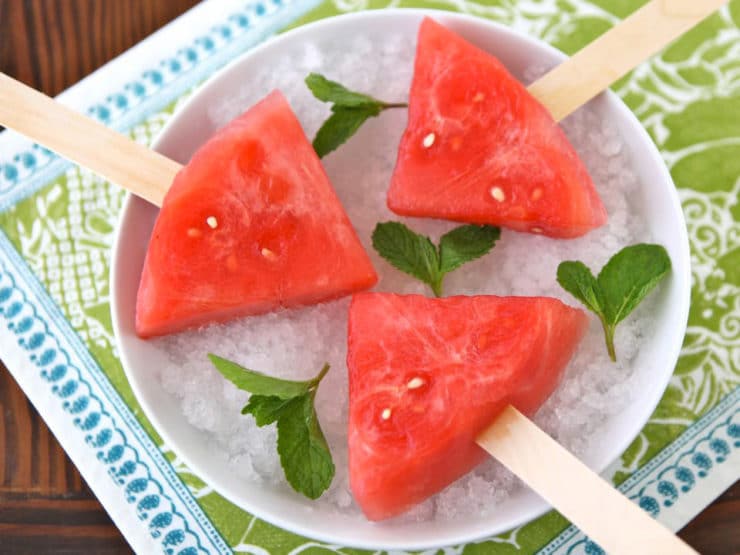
(249,225)
(426,376)
(479,148)
(434,381)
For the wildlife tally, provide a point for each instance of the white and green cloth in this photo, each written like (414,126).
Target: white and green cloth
(56,231)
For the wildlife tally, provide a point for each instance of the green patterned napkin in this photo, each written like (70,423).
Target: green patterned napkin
(57,223)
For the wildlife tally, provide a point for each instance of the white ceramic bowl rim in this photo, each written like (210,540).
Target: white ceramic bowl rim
(430,537)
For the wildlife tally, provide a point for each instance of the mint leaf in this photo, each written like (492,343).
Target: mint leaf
(577,279)
(257,382)
(624,281)
(410,252)
(350,110)
(416,255)
(266,409)
(304,453)
(341,125)
(336,93)
(466,243)
(629,276)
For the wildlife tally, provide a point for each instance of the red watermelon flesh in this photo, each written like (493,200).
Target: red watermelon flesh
(426,376)
(250,224)
(479,148)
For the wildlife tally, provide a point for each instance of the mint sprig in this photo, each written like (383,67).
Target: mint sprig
(350,110)
(301,445)
(415,254)
(624,281)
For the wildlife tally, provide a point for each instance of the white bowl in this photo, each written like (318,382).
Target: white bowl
(190,127)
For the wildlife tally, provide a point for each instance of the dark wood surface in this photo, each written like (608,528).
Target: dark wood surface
(45,506)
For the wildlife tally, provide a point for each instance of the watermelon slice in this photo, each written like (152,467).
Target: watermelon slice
(250,224)
(427,375)
(479,148)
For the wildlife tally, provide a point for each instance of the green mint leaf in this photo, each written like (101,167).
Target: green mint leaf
(320,376)
(336,93)
(629,276)
(577,279)
(410,252)
(350,110)
(256,382)
(266,409)
(466,243)
(416,255)
(624,281)
(304,453)
(301,445)
(340,126)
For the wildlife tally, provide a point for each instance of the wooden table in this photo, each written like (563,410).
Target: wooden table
(45,507)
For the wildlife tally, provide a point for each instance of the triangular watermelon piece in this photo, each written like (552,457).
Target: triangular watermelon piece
(426,376)
(479,148)
(250,224)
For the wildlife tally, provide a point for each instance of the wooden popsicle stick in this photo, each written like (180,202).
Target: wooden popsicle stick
(83,140)
(578,493)
(582,496)
(612,55)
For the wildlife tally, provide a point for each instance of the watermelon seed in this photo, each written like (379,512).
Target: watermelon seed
(429,140)
(193,232)
(536,230)
(386,414)
(537,194)
(415,383)
(478,97)
(212,222)
(498,194)
(267,253)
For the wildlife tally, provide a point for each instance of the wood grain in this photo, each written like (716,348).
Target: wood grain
(716,530)
(32,463)
(52,44)
(45,507)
